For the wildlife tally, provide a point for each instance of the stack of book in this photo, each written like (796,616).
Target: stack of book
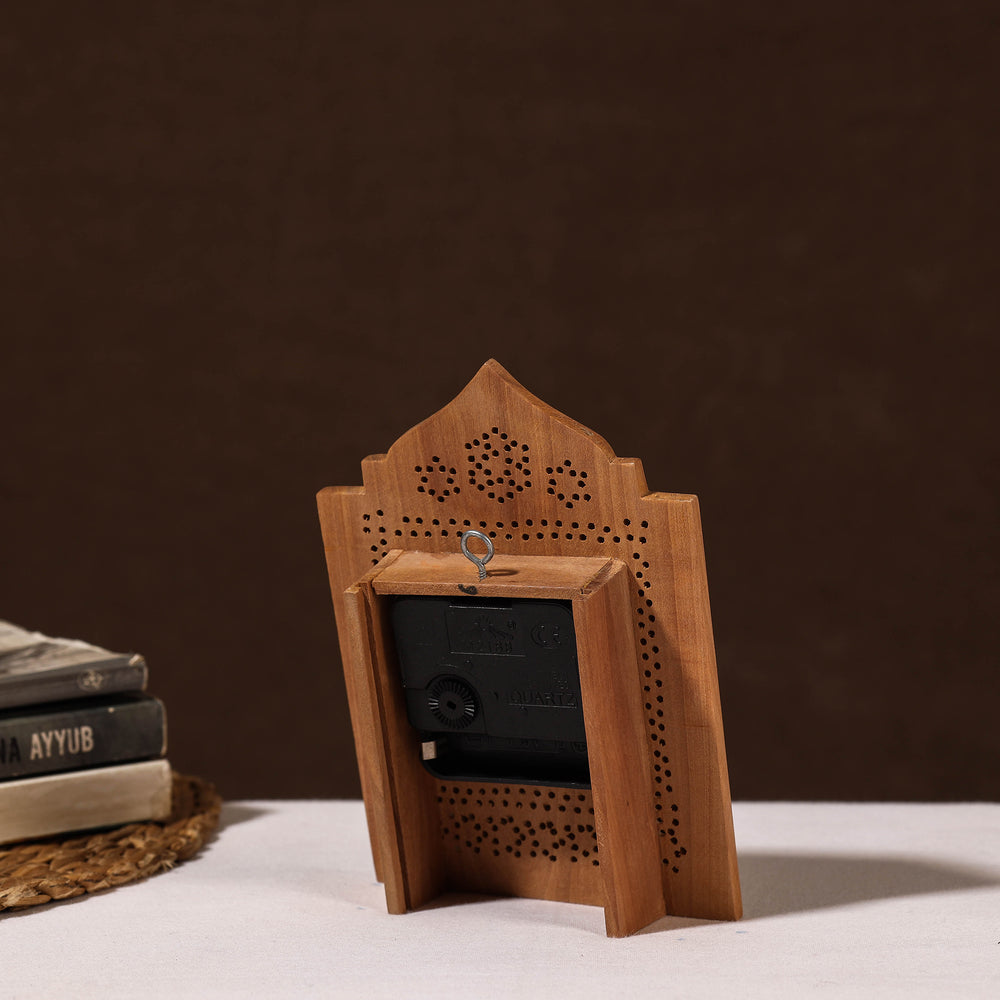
(81,745)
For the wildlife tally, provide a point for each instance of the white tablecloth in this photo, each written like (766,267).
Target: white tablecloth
(841,901)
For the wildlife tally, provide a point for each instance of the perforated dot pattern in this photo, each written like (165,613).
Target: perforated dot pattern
(497,465)
(626,539)
(520,820)
(567,484)
(437,480)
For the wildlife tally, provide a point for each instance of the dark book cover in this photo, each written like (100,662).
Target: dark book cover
(70,736)
(36,668)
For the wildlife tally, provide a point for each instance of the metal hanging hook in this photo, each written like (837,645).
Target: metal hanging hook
(480,562)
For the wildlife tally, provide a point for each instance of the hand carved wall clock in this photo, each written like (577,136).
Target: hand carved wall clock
(547,723)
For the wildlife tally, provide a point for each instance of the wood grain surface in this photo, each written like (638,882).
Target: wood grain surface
(500,461)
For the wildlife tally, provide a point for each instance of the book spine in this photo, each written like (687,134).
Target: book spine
(80,736)
(80,800)
(120,675)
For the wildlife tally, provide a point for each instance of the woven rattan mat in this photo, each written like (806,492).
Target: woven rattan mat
(53,869)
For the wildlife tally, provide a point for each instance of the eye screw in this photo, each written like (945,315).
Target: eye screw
(480,562)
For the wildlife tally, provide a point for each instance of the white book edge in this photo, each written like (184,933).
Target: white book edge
(83,800)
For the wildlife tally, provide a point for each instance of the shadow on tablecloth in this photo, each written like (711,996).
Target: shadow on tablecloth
(776,883)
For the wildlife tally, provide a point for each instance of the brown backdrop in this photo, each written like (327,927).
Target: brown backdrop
(246,245)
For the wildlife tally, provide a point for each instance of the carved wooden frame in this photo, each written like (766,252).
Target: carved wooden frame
(498,460)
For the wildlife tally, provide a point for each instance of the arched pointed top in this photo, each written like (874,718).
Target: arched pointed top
(494,383)
(495,442)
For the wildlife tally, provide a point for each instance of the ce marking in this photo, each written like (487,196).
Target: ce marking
(546,635)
